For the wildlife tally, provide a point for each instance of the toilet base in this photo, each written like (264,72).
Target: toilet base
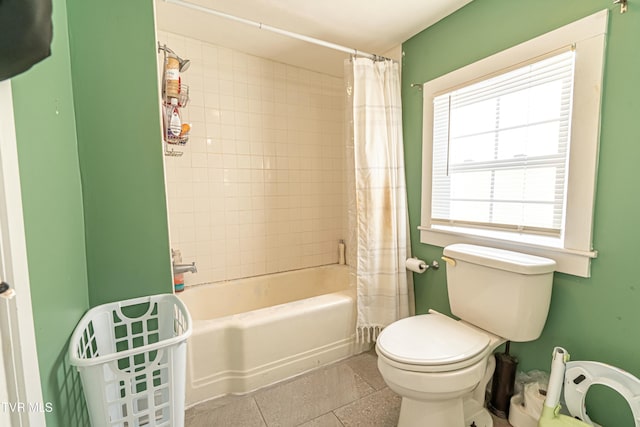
(415,413)
(476,415)
(445,413)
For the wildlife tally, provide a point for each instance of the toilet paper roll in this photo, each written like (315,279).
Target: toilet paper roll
(416,265)
(534,399)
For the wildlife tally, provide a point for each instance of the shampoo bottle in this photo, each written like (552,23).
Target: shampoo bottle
(178,279)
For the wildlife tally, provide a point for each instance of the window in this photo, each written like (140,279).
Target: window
(500,149)
(510,148)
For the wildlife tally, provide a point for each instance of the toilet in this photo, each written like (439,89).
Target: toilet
(441,366)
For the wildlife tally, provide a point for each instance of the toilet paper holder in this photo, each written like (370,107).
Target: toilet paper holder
(420,266)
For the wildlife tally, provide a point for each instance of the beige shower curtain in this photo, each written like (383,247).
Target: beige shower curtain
(378,204)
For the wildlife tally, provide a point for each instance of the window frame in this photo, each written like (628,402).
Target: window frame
(573,251)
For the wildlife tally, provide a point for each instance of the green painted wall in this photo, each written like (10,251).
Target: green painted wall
(113,61)
(595,318)
(88,131)
(53,218)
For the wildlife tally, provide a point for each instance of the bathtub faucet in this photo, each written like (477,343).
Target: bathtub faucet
(184,268)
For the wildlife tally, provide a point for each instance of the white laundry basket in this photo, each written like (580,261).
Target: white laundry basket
(131,356)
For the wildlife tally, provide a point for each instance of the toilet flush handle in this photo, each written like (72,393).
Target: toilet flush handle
(450,261)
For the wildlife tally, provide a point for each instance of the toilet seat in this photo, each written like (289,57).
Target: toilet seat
(580,376)
(432,343)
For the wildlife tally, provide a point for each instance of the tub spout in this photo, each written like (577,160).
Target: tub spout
(184,268)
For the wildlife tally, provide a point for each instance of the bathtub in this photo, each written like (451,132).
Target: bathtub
(249,333)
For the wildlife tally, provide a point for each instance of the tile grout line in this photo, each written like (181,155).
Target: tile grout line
(264,420)
(337,418)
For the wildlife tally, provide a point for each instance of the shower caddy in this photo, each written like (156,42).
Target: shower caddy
(174,99)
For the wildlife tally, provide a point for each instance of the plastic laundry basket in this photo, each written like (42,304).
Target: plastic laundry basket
(131,356)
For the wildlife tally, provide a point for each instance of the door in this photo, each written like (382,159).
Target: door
(5,417)
(20,389)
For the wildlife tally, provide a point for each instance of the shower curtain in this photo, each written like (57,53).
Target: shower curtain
(378,218)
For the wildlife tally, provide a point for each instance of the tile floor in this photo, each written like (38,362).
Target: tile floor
(344,394)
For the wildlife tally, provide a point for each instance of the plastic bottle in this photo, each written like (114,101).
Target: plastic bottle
(174,127)
(341,259)
(172,77)
(178,282)
(178,279)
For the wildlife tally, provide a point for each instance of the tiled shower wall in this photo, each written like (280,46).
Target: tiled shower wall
(260,187)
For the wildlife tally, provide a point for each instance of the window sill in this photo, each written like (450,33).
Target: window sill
(569,261)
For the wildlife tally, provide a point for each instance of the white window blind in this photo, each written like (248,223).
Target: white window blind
(500,149)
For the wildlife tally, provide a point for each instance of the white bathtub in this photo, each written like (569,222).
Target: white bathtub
(253,332)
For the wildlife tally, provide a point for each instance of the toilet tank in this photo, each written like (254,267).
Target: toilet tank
(503,292)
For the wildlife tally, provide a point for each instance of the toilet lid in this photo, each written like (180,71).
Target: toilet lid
(430,340)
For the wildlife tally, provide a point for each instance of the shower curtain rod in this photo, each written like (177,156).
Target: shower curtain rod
(286,33)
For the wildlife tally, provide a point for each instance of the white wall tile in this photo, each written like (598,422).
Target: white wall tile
(260,187)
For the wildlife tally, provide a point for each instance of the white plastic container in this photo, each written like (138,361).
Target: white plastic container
(131,356)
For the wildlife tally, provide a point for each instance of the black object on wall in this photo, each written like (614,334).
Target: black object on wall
(25,35)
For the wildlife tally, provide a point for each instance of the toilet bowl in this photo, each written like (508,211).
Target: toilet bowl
(441,366)
(438,373)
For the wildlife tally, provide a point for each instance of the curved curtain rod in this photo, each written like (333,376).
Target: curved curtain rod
(286,33)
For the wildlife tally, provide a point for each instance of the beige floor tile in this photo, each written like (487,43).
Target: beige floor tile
(366,365)
(500,422)
(380,409)
(308,397)
(239,412)
(212,404)
(326,420)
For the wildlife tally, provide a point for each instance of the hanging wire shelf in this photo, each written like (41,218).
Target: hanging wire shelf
(169,102)
(170,151)
(177,140)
